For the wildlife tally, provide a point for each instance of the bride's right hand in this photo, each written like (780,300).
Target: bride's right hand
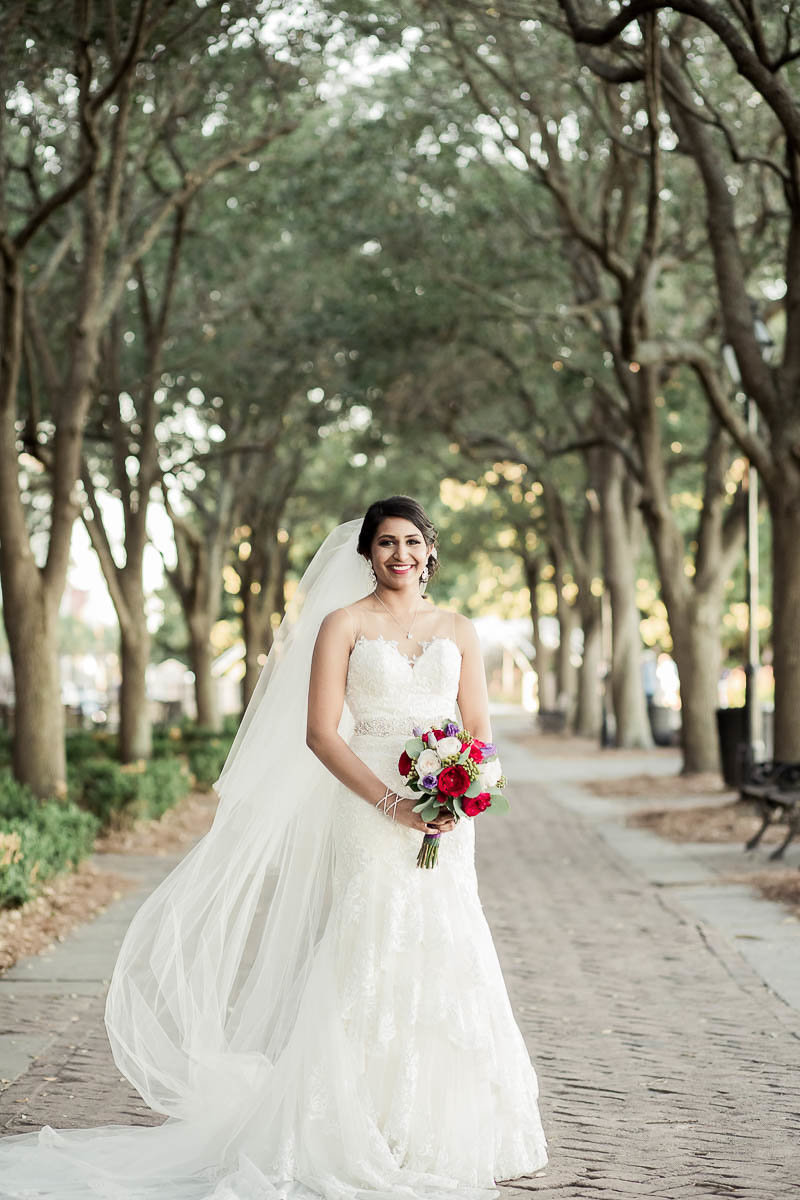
(404,815)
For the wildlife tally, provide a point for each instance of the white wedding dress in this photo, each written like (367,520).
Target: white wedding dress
(413,1026)
(403,1072)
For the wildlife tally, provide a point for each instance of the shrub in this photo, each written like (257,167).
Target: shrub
(6,747)
(107,789)
(206,760)
(16,800)
(84,743)
(118,795)
(38,838)
(164,782)
(167,741)
(230,724)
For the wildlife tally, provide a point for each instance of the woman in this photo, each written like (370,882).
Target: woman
(316,1015)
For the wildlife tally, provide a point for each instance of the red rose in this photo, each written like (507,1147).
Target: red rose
(472,805)
(454,781)
(438,734)
(476,752)
(405,764)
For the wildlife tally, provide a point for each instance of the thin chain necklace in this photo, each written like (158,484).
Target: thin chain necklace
(407,632)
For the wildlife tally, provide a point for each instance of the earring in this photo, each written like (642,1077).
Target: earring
(423,579)
(373,576)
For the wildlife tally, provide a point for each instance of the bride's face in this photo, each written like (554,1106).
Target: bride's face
(399,554)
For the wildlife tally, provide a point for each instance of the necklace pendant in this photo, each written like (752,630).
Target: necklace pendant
(408,635)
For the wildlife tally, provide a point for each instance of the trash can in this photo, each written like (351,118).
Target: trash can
(551,720)
(732,729)
(662,724)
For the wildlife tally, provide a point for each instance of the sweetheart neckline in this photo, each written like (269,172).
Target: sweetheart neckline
(412,660)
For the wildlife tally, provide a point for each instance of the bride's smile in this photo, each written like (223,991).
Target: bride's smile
(399,555)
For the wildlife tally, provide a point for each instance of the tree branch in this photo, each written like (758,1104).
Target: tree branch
(761,74)
(653,352)
(180,198)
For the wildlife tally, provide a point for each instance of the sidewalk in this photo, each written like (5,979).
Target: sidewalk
(53,1046)
(667,1049)
(668,1067)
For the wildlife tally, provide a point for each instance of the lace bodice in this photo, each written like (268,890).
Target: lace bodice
(388,692)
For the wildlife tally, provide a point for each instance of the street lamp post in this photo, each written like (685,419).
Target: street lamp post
(753,723)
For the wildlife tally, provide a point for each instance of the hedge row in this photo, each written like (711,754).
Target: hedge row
(119,795)
(40,838)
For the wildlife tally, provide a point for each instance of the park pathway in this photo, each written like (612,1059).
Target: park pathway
(668,1068)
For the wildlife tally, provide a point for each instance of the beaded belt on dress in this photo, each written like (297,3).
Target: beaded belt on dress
(386,726)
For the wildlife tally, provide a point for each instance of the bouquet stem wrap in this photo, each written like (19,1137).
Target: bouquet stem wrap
(429,850)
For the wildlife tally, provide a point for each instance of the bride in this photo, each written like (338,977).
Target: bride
(315,1015)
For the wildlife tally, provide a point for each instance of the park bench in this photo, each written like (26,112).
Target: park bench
(774,788)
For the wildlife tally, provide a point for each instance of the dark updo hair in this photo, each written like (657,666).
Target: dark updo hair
(409,510)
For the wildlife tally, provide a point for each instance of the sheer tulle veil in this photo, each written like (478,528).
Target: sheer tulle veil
(206,987)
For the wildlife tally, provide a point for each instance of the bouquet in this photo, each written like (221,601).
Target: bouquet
(453,772)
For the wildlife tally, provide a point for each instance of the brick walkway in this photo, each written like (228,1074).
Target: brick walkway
(668,1068)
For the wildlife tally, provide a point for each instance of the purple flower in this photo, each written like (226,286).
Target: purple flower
(489,750)
(429,782)
(450,730)
(417,732)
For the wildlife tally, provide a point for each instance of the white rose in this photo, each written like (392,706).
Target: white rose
(428,763)
(447,746)
(490,773)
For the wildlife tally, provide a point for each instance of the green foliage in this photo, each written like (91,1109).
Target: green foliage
(6,746)
(107,790)
(119,795)
(206,759)
(38,839)
(83,744)
(162,784)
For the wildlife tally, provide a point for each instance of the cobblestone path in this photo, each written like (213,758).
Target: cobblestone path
(667,1068)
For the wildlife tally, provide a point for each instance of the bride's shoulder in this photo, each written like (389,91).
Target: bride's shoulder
(339,625)
(453,624)
(464,633)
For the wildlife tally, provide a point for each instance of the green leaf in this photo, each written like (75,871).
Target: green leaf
(420,807)
(474,789)
(414,747)
(459,811)
(499,802)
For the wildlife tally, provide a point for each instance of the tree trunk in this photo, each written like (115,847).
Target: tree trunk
(135,735)
(39,755)
(566,672)
(627,688)
(785,512)
(257,631)
(589,712)
(262,595)
(542,654)
(698,655)
(205,690)
(31,595)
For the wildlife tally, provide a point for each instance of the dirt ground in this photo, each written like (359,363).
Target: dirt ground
(732,822)
(727,820)
(69,900)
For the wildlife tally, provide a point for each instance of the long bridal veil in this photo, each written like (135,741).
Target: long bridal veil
(206,989)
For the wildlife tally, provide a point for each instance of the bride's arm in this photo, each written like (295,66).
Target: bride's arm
(473,698)
(325,704)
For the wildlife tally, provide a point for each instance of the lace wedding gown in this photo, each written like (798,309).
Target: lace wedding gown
(405,1073)
(422,1001)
